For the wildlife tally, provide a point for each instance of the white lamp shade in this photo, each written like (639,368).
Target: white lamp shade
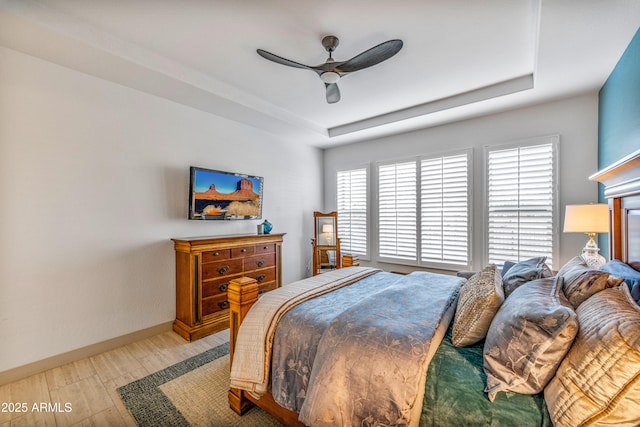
(592,218)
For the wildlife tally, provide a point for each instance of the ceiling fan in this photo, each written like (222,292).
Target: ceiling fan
(331,71)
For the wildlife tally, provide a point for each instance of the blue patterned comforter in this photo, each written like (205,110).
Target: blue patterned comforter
(358,355)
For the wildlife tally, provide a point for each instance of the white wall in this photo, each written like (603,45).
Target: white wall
(93,184)
(575,120)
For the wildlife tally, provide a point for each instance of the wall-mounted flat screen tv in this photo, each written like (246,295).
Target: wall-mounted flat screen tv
(224,195)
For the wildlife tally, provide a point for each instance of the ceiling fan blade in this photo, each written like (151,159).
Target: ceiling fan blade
(370,57)
(280,60)
(333,93)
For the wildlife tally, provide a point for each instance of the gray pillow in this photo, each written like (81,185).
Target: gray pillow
(528,338)
(506,267)
(582,281)
(523,272)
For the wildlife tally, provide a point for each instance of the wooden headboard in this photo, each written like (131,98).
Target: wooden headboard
(622,189)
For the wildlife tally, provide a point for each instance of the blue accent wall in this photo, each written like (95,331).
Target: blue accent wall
(619,108)
(619,116)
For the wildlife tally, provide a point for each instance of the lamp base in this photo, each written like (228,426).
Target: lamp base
(590,253)
(594,261)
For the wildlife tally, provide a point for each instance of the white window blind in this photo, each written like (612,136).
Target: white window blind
(521,203)
(445,210)
(397,210)
(352,211)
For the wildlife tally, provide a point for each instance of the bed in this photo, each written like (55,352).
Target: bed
(568,379)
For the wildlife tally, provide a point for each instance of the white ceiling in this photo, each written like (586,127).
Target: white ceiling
(461,58)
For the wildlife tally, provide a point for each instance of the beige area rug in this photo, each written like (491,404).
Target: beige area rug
(189,393)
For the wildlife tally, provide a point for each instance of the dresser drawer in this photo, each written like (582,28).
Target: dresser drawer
(244,251)
(259,261)
(227,267)
(263,276)
(217,286)
(214,304)
(212,256)
(262,249)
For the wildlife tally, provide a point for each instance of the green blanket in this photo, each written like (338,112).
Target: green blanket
(454,394)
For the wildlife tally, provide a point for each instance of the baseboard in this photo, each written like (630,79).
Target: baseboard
(24,371)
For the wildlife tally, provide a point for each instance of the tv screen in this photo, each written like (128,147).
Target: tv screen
(224,195)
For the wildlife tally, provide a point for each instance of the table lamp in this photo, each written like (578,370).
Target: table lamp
(589,219)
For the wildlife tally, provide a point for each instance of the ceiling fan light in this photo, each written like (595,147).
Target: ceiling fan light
(330,77)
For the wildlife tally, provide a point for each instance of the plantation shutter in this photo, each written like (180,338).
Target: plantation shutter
(352,211)
(397,206)
(445,210)
(521,194)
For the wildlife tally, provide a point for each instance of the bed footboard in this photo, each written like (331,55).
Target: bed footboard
(242,293)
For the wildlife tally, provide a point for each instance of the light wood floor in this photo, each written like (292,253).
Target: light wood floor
(84,393)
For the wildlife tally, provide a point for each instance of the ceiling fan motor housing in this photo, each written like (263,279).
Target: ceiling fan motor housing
(330,43)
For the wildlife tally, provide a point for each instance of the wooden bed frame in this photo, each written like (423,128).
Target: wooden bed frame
(622,189)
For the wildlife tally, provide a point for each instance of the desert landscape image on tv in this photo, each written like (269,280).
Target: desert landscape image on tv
(222,195)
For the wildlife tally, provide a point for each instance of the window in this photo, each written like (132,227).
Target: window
(397,210)
(352,211)
(521,201)
(423,211)
(445,210)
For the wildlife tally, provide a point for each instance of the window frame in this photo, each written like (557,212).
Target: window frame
(398,260)
(368,244)
(442,265)
(375,207)
(554,141)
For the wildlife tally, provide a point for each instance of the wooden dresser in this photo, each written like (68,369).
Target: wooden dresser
(204,267)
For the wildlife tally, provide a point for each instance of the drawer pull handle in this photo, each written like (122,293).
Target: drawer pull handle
(265,247)
(223,304)
(223,287)
(216,254)
(223,269)
(243,250)
(260,263)
(261,277)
